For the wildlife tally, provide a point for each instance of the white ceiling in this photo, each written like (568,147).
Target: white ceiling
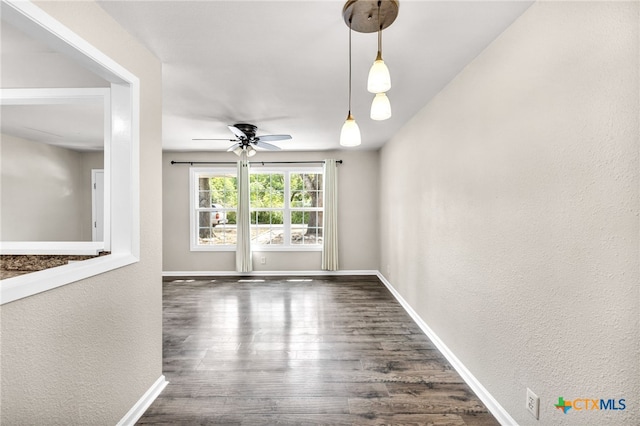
(76,127)
(283,65)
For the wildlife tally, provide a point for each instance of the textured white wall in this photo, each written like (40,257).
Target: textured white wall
(514,195)
(358,215)
(43,191)
(86,352)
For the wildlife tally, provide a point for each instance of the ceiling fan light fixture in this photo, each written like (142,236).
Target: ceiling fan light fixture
(350,133)
(380,107)
(238,151)
(251,151)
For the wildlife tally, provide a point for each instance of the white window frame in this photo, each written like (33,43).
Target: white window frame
(287,209)
(287,171)
(121,162)
(194,173)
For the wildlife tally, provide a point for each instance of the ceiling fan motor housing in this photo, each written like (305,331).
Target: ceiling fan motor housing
(247,129)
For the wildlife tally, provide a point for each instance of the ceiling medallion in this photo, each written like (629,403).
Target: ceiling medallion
(363,14)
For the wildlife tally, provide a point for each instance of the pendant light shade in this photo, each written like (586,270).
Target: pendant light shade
(380,107)
(350,134)
(379,78)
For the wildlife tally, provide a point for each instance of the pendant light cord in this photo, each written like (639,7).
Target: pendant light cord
(350,19)
(379,32)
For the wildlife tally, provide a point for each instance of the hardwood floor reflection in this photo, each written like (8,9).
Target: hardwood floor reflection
(335,350)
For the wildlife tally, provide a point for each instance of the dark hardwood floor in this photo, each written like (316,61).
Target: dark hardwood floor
(336,350)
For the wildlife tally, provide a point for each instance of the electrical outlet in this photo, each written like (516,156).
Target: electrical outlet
(533,403)
(263,260)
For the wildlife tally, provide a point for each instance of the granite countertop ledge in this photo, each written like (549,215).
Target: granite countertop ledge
(14,265)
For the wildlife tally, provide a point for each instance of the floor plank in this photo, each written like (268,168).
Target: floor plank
(330,350)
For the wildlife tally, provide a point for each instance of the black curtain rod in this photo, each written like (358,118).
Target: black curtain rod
(251,162)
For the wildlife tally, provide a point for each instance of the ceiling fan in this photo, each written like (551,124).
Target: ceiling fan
(246,139)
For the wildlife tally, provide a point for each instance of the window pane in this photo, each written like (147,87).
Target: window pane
(277,235)
(204,197)
(315,199)
(205,233)
(216,208)
(306,227)
(277,199)
(219,235)
(264,218)
(231,217)
(267,190)
(204,219)
(203,183)
(277,181)
(224,190)
(306,189)
(297,199)
(295,181)
(299,217)
(225,234)
(266,227)
(306,199)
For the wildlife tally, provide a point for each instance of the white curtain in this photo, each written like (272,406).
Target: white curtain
(330,217)
(243,218)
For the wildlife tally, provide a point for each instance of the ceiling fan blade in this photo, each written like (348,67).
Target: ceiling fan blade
(273,137)
(234,146)
(239,133)
(267,146)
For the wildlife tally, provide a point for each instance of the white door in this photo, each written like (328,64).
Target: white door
(97,199)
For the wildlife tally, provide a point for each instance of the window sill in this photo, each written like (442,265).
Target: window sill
(255,249)
(286,248)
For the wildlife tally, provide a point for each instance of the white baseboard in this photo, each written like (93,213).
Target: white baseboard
(265,273)
(143,403)
(492,405)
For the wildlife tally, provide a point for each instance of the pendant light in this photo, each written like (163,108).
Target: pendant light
(360,15)
(350,134)
(379,80)
(380,107)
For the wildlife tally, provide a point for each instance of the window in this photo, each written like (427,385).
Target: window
(214,202)
(286,208)
(268,208)
(306,208)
